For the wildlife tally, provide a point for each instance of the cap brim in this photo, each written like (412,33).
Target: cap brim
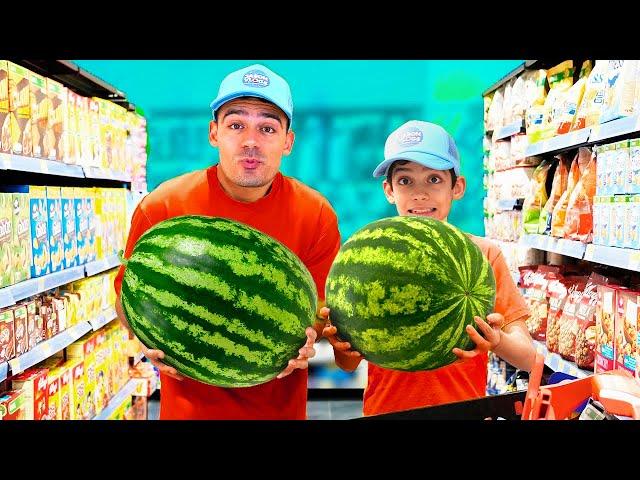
(426,159)
(218,102)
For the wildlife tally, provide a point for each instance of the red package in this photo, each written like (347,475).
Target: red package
(559,291)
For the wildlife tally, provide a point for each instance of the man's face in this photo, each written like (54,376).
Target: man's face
(420,191)
(251,135)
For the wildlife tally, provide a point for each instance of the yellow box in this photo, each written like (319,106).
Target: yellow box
(6,239)
(53,389)
(84,349)
(20,109)
(94,132)
(5,118)
(39,113)
(65,391)
(21,237)
(53,146)
(70,129)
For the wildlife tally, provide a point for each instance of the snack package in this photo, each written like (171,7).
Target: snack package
(560,210)
(559,290)
(626,330)
(620,89)
(567,326)
(536,198)
(605,323)
(539,300)
(495,110)
(592,104)
(560,80)
(578,223)
(572,99)
(585,336)
(559,185)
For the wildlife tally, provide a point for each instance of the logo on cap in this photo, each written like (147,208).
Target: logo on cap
(410,136)
(255,78)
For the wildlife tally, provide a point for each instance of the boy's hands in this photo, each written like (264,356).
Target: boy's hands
(154,356)
(491,331)
(305,353)
(330,333)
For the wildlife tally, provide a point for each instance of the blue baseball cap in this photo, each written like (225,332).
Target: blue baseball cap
(422,142)
(255,81)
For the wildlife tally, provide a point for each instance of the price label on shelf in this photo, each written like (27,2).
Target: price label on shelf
(589,252)
(41,284)
(5,161)
(634,261)
(44,166)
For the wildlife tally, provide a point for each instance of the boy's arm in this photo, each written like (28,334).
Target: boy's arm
(516,346)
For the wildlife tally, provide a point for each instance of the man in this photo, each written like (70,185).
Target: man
(251,127)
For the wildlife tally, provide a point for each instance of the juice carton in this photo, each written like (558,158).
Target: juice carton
(82,225)
(620,206)
(6,240)
(54,211)
(597,150)
(39,112)
(33,382)
(21,334)
(21,237)
(626,330)
(53,146)
(7,336)
(621,168)
(12,405)
(632,223)
(20,109)
(5,118)
(605,219)
(69,236)
(634,165)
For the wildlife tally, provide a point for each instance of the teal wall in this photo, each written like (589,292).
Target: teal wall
(343,112)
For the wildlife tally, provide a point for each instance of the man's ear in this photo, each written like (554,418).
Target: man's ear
(213,133)
(288,144)
(459,188)
(388,192)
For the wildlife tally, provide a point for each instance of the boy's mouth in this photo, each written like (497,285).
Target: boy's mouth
(422,211)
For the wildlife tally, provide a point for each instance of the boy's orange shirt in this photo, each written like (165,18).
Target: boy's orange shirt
(292,213)
(392,390)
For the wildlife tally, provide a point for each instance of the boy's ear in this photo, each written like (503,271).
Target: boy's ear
(459,188)
(213,133)
(388,192)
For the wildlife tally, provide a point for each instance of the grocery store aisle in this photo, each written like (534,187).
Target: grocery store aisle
(316,409)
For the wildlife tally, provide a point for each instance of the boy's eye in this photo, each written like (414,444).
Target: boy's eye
(235,126)
(269,129)
(403,181)
(435,179)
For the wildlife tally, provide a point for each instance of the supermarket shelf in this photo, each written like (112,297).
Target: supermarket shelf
(559,143)
(324,353)
(47,348)
(117,400)
(513,73)
(39,165)
(509,203)
(559,364)
(510,130)
(98,266)
(137,358)
(562,246)
(615,128)
(102,319)
(616,257)
(105,174)
(4,369)
(33,286)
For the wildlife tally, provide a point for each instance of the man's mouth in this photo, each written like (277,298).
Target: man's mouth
(250,163)
(422,211)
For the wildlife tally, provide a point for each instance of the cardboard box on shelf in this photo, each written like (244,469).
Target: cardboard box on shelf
(7,335)
(21,237)
(12,405)
(39,113)
(54,212)
(21,332)
(33,382)
(53,145)
(69,238)
(20,109)
(6,239)
(5,118)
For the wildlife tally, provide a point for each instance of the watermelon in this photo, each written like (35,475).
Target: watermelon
(227,304)
(402,289)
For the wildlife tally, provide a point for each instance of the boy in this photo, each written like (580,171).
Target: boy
(422,170)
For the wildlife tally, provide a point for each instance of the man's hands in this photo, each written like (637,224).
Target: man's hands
(306,352)
(492,336)
(154,357)
(330,333)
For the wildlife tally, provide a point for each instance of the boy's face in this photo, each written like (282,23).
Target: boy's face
(420,191)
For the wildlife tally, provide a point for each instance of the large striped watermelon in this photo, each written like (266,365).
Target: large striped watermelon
(401,290)
(226,303)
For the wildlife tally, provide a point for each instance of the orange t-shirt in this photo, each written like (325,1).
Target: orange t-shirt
(392,390)
(292,213)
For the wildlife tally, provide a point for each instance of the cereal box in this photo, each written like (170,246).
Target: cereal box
(84,349)
(35,326)
(77,389)
(82,225)
(20,331)
(89,211)
(94,133)
(74,313)
(6,240)
(20,109)
(65,392)
(49,316)
(101,393)
(21,237)
(33,382)
(5,123)
(40,263)
(12,405)
(39,112)
(54,212)
(634,163)
(626,330)
(53,393)
(605,219)
(621,166)
(100,222)
(606,309)
(69,238)
(7,338)
(632,237)
(53,145)
(620,206)
(70,128)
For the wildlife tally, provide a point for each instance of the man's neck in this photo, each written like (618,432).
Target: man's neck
(242,194)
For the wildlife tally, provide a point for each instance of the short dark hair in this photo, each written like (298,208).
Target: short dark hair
(393,166)
(215,114)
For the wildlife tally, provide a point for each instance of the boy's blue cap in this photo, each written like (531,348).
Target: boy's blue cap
(255,81)
(425,143)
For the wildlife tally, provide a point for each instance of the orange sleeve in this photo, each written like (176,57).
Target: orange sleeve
(140,223)
(325,248)
(509,301)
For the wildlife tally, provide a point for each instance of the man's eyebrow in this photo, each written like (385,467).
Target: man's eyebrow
(240,111)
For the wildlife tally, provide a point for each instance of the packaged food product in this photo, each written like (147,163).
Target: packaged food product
(559,185)
(5,119)
(560,209)
(632,223)
(578,224)
(605,335)
(536,198)
(620,89)
(592,104)
(6,239)
(585,336)
(626,330)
